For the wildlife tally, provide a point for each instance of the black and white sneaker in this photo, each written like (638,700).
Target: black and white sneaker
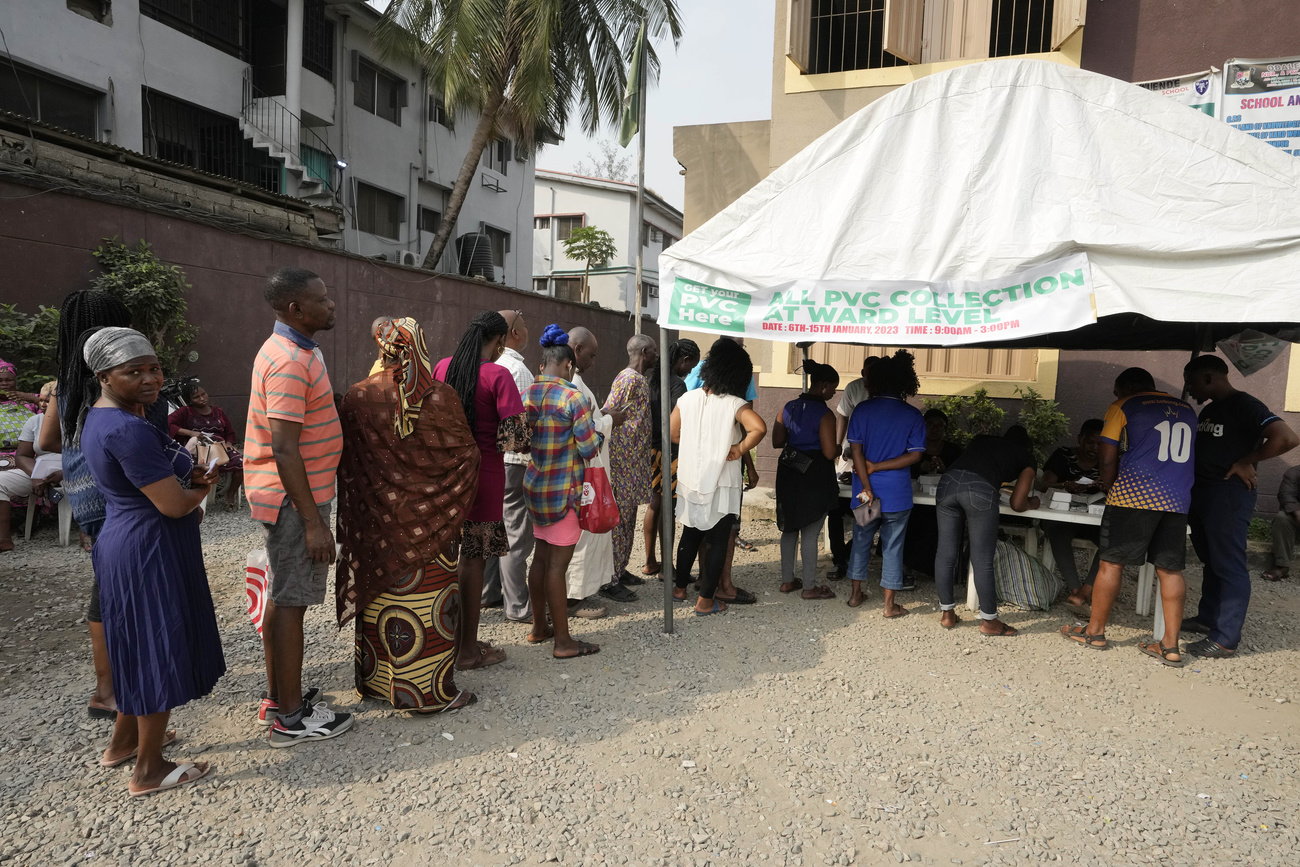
(319,725)
(269,707)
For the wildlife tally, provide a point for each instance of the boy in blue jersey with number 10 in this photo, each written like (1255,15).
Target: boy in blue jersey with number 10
(1148,493)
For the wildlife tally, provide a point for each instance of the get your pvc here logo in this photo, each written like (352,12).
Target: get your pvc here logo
(697,305)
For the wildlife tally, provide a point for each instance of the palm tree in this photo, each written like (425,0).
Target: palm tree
(523,66)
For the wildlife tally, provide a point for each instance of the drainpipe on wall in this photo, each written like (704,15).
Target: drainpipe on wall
(550,273)
(341,116)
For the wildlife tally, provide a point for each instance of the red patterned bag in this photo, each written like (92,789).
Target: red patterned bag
(598,512)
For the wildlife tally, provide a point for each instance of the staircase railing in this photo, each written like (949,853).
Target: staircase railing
(283,128)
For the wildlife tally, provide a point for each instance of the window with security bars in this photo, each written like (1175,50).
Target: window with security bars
(223,24)
(1020,27)
(1015,365)
(841,35)
(48,99)
(848,34)
(317,40)
(187,134)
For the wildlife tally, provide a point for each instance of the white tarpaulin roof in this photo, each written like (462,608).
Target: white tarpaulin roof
(984,171)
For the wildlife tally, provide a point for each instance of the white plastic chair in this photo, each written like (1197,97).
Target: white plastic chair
(65,517)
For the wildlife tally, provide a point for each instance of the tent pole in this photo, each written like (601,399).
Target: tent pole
(803,368)
(666,522)
(1196,350)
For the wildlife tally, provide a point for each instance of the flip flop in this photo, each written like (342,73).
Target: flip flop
(791,586)
(1276,573)
(532,640)
(168,740)
(646,571)
(1156,650)
(742,597)
(584,649)
(1005,632)
(744,545)
(174,779)
(451,707)
(717,609)
(902,612)
(100,712)
(814,593)
(955,620)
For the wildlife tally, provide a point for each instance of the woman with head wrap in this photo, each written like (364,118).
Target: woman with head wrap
(495,414)
(159,622)
(16,408)
(406,479)
(199,418)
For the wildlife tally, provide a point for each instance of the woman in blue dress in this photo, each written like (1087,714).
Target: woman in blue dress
(159,623)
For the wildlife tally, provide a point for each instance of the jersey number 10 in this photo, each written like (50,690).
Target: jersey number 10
(1175,441)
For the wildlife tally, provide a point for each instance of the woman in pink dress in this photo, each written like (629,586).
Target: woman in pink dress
(495,413)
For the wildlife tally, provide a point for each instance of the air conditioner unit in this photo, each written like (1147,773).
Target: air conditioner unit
(406,257)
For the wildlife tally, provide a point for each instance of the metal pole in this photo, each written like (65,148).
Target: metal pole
(803,368)
(666,522)
(640,200)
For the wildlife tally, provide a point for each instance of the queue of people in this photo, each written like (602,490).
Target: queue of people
(450,475)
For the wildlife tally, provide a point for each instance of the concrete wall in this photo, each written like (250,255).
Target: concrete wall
(723,161)
(1140,40)
(45,245)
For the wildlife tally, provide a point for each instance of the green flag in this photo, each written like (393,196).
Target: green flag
(632,97)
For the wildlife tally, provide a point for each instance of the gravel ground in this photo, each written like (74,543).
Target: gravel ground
(789,733)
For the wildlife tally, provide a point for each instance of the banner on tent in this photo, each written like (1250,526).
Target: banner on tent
(1201,91)
(1055,296)
(1262,99)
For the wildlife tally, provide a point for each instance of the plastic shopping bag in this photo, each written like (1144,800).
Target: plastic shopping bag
(598,512)
(257,583)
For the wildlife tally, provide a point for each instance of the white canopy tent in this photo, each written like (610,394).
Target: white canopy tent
(1008,203)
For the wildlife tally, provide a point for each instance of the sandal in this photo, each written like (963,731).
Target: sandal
(819,592)
(1079,635)
(718,608)
(452,707)
(1156,650)
(742,597)
(168,739)
(1277,573)
(178,777)
(1005,632)
(486,656)
(955,621)
(902,612)
(791,586)
(744,545)
(584,649)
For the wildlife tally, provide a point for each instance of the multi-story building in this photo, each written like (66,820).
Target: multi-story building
(566,201)
(290,96)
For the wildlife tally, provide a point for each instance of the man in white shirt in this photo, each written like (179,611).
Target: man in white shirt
(505,579)
(593,558)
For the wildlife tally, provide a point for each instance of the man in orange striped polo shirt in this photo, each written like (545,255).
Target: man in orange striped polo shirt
(292,448)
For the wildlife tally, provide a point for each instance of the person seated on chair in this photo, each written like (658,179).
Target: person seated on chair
(16,411)
(199,417)
(1075,470)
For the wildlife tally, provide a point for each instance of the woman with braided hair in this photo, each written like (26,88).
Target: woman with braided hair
(495,413)
(683,355)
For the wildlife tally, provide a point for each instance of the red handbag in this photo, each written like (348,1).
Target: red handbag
(598,513)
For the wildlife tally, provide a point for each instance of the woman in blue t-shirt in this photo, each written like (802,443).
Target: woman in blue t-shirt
(806,489)
(887,435)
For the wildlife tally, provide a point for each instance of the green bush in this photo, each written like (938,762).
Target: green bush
(31,343)
(1046,424)
(155,294)
(968,415)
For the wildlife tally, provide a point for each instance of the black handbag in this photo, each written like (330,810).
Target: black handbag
(793,459)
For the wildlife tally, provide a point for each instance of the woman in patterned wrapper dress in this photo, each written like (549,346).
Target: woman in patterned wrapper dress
(495,413)
(407,479)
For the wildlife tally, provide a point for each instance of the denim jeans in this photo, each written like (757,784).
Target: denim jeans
(1219,518)
(965,499)
(893,530)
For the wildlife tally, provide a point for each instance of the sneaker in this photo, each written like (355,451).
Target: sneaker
(1194,626)
(320,725)
(618,593)
(909,584)
(586,610)
(266,713)
(631,580)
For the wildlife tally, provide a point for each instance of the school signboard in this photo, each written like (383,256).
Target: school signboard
(1201,91)
(1262,99)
